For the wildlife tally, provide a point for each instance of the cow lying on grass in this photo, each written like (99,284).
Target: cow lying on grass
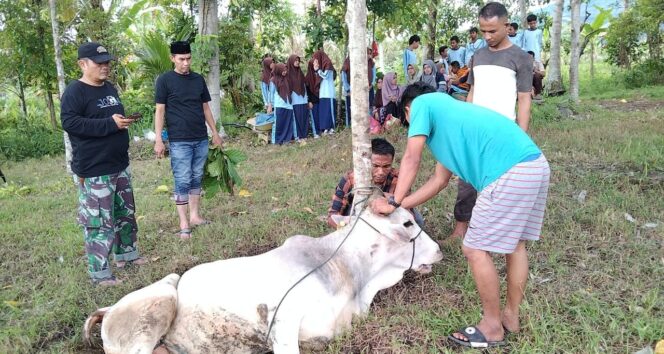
(228,306)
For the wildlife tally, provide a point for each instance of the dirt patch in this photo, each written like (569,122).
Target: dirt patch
(624,105)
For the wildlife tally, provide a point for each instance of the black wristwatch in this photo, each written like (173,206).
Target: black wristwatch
(392,202)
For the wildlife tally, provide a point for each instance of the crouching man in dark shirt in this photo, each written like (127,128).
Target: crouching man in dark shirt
(182,101)
(93,116)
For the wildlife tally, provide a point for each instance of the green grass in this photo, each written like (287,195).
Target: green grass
(595,278)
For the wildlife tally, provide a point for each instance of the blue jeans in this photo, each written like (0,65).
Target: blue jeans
(187,161)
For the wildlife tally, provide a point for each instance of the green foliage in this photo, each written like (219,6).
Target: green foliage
(141,101)
(154,56)
(275,26)
(221,171)
(327,27)
(12,190)
(30,140)
(650,72)
(239,64)
(622,39)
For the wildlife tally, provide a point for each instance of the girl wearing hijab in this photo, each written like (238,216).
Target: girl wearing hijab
(268,64)
(312,82)
(298,97)
(429,74)
(345,82)
(413,75)
(391,93)
(326,106)
(282,129)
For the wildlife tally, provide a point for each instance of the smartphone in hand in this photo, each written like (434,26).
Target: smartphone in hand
(134,116)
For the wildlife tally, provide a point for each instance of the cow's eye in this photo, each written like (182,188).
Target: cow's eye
(408,223)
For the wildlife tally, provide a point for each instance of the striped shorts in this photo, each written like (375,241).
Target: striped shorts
(510,209)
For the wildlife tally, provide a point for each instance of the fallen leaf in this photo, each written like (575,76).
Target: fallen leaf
(275,199)
(11,303)
(154,259)
(140,217)
(276,210)
(61,259)
(623,100)
(659,348)
(244,193)
(650,225)
(7,287)
(162,189)
(303,143)
(307,209)
(630,218)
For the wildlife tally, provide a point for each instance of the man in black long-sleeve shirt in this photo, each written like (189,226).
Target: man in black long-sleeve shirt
(93,116)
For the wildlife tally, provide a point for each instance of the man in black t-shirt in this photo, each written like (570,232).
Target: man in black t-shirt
(182,98)
(93,116)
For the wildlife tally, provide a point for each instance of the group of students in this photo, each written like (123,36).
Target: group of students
(299,102)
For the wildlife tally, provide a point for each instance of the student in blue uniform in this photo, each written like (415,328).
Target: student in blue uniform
(455,52)
(514,35)
(532,38)
(299,97)
(312,82)
(282,129)
(327,101)
(266,75)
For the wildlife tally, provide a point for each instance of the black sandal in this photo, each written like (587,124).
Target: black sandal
(475,339)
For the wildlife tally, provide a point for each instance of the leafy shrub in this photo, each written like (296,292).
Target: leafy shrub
(141,101)
(650,72)
(30,141)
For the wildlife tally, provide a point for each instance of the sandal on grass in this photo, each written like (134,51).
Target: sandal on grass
(112,281)
(474,339)
(203,223)
(137,261)
(184,234)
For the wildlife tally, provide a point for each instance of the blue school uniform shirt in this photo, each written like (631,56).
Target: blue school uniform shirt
(265,91)
(517,40)
(345,82)
(297,99)
(471,48)
(457,55)
(532,41)
(473,142)
(409,57)
(327,85)
(277,101)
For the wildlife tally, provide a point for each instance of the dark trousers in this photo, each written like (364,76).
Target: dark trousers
(537,83)
(465,202)
(301,112)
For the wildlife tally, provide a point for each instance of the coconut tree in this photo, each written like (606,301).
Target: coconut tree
(575,50)
(554,79)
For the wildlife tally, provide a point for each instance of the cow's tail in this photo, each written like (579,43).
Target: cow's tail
(94,318)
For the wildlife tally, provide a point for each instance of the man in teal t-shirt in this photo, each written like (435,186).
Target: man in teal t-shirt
(510,172)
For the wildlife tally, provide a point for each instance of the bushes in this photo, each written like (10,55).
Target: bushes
(30,141)
(650,72)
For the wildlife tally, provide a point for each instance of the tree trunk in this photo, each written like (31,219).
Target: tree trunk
(51,109)
(574,50)
(523,13)
(21,97)
(356,19)
(554,79)
(318,8)
(431,26)
(654,41)
(61,77)
(592,60)
(209,25)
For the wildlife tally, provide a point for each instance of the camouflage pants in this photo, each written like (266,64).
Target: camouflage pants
(106,212)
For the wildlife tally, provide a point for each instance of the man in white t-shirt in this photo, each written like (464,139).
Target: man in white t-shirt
(499,73)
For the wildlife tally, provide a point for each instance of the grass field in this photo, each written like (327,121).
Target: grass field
(596,278)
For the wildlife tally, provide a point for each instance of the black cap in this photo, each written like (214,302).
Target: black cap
(180,47)
(95,52)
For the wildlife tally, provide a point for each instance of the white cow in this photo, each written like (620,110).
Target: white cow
(227,306)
